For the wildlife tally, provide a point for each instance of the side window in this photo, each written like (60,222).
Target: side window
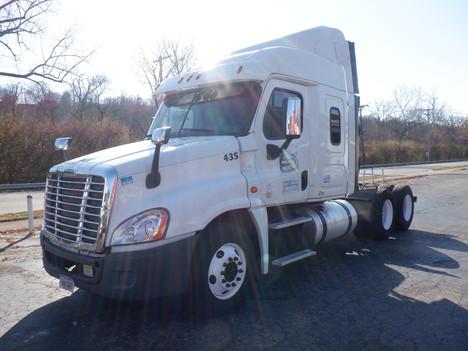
(335,126)
(274,122)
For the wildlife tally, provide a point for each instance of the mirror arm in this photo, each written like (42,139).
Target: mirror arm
(273,151)
(286,144)
(159,137)
(154,178)
(64,155)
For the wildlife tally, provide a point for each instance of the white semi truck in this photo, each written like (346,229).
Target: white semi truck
(249,164)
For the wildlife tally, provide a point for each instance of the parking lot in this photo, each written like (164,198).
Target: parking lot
(407,293)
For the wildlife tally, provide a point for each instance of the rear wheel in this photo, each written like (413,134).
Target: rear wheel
(382,215)
(404,206)
(222,269)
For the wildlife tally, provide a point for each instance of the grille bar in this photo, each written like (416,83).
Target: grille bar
(74,206)
(72,234)
(72,182)
(73,227)
(74,219)
(75,212)
(67,203)
(90,190)
(86,197)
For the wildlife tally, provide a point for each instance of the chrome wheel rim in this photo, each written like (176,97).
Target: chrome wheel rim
(387,214)
(227,270)
(407,207)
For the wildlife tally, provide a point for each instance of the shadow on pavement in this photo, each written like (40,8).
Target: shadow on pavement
(352,296)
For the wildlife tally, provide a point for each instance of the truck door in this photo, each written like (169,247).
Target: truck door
(334,180)
(284,178)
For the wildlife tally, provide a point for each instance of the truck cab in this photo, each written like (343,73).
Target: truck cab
(248,164)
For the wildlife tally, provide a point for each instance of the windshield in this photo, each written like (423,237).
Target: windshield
(226,109)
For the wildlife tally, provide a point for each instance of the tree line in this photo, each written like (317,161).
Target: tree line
(412,126)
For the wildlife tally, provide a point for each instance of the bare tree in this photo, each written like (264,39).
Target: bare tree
(169,58)
(21,29)
(45,101)
(102,83)
(407,103)
(86,93)
(434,113)
(381,111)
(9,97)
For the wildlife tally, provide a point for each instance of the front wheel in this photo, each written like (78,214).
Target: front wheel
(222,269)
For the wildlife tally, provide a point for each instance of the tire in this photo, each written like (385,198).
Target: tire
(223,268)
(404,206)
(382,215)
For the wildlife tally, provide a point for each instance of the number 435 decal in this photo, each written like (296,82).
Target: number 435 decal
(231,156)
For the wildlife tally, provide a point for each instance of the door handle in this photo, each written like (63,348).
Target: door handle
(304,180)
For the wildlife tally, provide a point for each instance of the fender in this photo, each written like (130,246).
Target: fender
(260,218)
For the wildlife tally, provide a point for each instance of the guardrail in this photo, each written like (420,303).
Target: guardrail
(383,165)
(22,186)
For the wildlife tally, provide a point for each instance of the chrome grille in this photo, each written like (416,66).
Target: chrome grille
(74,205)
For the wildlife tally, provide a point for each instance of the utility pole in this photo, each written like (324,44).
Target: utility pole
(427,112)
(361,134)
(160,61)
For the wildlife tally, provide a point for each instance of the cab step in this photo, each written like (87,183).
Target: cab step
(283,261)
(290,222)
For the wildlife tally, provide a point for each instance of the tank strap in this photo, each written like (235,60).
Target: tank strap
(324,225)
(350,217)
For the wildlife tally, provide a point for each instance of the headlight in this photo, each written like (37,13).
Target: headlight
(146,226)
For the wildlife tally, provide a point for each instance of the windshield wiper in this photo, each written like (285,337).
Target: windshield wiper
(196,97)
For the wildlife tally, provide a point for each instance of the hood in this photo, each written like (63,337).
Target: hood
(137,157)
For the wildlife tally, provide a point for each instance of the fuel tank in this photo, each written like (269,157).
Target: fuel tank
(330,220)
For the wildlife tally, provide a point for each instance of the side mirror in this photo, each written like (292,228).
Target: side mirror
(160,136)
(62,144)
(293,127)
(293,118)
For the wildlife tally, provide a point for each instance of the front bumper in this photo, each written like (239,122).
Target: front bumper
(135,275)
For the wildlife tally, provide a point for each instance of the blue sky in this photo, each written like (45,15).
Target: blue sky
(412,43)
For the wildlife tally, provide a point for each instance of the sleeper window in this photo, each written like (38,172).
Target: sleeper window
(335,126)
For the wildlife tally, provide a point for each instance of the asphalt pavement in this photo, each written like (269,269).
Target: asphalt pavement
(409,292)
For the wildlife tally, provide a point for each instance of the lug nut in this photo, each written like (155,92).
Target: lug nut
(223,281)
(236,258)
(224,264)
(240,271)
(212,279)
(228,285)
(233,284)
(237,279)
(230,259)
(222,273)
(239,263)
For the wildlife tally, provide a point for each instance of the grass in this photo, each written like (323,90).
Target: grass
(9,217)
(450,168)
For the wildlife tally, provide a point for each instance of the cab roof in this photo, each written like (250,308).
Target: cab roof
(318,55)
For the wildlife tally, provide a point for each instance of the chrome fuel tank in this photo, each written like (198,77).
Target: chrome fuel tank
(330,220)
